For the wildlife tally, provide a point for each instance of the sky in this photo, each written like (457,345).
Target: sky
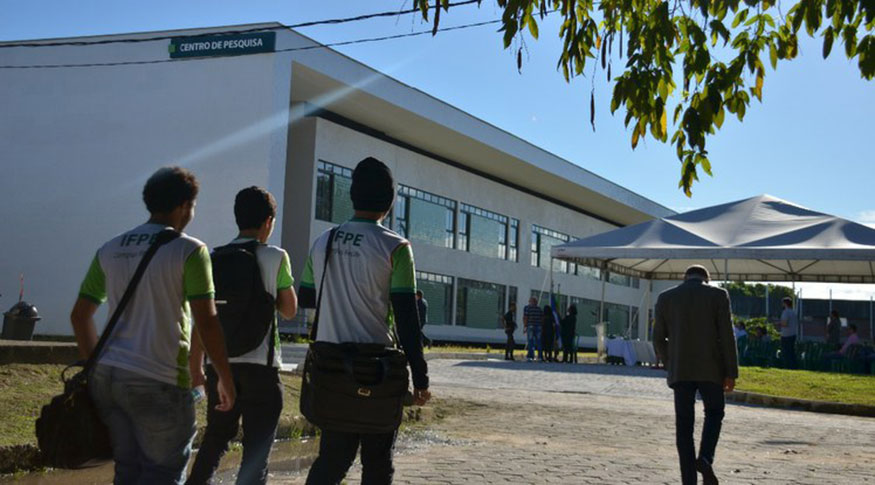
(808,142)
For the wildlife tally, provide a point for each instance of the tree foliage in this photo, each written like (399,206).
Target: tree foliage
(740,288)
(718,46)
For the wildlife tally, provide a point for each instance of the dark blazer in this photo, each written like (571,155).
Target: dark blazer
(693,333)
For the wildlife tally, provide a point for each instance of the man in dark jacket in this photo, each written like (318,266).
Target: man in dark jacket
(693,336)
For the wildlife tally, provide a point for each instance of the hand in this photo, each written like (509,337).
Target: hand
(227,395)
(421,396)
(728,384)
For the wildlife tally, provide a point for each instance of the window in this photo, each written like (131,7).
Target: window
(513,236)
(617,317)
(332,193)
(543,240)
(437,289)
(623,280)
(479,304)
(589,272)
(425,217)
(485,233)
(587,315)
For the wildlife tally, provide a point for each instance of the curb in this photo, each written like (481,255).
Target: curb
(826,407)
(19,352)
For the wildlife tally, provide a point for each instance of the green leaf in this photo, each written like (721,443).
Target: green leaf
(718,118)
(739,18)
(635,135)
(827,42)
(662,89)
(773,55)
(533,27)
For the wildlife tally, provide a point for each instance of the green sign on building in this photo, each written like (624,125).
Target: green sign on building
(222,45)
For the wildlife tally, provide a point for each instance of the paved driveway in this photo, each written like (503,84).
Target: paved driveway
(525,423)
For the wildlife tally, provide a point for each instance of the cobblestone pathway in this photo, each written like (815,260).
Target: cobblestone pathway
(522,423)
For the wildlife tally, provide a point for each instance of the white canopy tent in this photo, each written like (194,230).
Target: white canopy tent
(758,239)
(762,238)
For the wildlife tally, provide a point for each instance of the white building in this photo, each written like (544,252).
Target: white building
(83,126)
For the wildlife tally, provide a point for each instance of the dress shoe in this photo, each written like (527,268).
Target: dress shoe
(708,476)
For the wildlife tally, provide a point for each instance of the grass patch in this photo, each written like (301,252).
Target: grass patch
(28,387)
(803,384)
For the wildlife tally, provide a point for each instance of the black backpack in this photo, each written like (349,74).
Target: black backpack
(246,310)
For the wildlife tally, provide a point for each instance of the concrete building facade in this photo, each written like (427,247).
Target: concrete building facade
(85,125)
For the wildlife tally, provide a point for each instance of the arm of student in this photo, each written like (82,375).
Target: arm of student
(92,293)
(403,299)
(198,286)
(211,337)
(196,361)
(82,319)
(286,300)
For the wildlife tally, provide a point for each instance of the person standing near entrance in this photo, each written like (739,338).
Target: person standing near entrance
(834,330)
(370,284)
(509,329)
(256,369)
(532,317)
(693,337)
(788,324)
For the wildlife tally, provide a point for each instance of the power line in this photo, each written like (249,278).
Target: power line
(335,21)
(290,49)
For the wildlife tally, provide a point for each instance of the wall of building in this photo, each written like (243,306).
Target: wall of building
(78,144)
(343,146)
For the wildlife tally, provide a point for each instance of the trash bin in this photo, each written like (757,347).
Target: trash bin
(19,321)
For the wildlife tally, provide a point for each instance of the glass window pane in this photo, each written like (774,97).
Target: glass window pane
(484,237)
(481,304)
(341,204)
(323,196)
(439,297)
(427,222)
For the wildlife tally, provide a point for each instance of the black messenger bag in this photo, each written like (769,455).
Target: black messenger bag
(69,431)
(352,387)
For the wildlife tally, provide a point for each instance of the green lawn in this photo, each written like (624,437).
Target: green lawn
(802,384)
(27,387)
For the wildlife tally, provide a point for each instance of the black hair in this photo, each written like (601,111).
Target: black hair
(252,206)
(419,293)
(698,270)
(572,309)
(853,326)
(787,301)
(169,188)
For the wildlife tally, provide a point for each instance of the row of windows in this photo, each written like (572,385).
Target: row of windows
(482,304)
(425,217)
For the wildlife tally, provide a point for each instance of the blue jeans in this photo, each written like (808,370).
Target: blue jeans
(259,404)
(533,336)
(684,406)
(151,425)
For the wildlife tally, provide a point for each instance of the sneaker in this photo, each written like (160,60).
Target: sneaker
(708,476)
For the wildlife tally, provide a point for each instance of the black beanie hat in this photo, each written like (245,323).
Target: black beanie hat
(373,188)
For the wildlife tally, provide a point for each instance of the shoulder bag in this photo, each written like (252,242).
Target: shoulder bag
(69,430)
(352,387)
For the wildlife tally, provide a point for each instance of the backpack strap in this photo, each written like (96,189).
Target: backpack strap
(163,237)
(322,282)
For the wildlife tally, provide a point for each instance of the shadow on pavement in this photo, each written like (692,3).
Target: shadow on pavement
(598,369)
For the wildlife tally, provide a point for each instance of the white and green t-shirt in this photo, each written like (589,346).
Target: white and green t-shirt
(368,263)
(276,274)
(153,334)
